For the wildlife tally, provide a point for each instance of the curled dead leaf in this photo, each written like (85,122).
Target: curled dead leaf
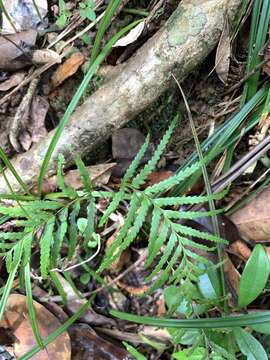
(16,320)
(67,69)
(45,56)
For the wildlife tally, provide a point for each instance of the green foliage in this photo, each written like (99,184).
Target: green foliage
(87,10)
(166,230)
(254,276)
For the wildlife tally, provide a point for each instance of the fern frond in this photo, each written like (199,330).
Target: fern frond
(59,235)
(27,247)
(160,240)
(128,232)
(118,197)
(122,233)
(11,235)
(42,205)
(167,184)
(13,270)
(136,162)
(151,165)
(156,218)
(166,272)
(67,190)
(186,230)
(188,200)
(86,180)
(90,226)
(166,254)
(190,215)
(46,242)
(72,230)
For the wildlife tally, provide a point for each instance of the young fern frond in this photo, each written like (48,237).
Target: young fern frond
(86,180)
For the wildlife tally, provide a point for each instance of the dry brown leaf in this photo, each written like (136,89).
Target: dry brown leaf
(74,303)
(132,290)
(16,319)
(67,69)
(100,174)
(240,249)
(38,112)
(45,56)
(124,258)
(87,345)
(222,61)
(253,220)
(232,277)
(14,80)
(11,57)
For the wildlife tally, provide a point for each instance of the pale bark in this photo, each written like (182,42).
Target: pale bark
(189,35)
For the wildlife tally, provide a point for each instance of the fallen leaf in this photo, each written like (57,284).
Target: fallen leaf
(131,36)
(124,258)
(13,81)
(240,249)
(132,290)
(157,176)
(45,56)
(126,143)
(253,220)
(232,279)
(86,345)
(100,174)
(16,319)
(74,303)
(25,139)
(12,56)
(67,69)
(38,112)
(222,61)
(23,15)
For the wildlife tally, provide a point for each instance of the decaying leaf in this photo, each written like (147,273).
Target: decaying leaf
(240,249)
(132,36)
(38,112)
(100,174)
(45,56)
(253,220)
(232,278)
(86,345)
(12,53)
(67,69)
(13,81)
(222,61)
(126,143)
(75,303)
(16,320)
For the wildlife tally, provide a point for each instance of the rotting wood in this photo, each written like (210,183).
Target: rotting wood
(189,35)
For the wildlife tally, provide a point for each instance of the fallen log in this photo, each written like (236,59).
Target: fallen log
(189,35)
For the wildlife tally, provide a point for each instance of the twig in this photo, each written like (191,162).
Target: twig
(247,76)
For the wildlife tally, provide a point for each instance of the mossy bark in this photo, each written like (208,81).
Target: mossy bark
(189,35)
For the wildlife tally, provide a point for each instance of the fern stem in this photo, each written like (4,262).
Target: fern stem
(208,191)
